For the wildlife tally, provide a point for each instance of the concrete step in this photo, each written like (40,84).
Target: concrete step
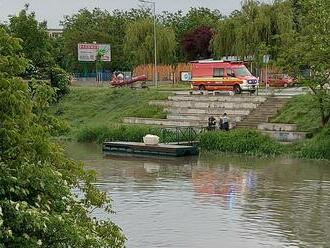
(267,110)
(285,127)
(206,104)
(208,111)
(246,126)
(199,117)
(260,115)
(260,120)
(285,136)
(253,99)
(168,123)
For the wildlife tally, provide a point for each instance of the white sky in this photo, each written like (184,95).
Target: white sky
(53,10)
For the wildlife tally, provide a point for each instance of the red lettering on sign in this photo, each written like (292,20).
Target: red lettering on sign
(88,46)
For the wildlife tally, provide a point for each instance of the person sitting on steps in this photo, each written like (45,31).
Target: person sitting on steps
(212,123)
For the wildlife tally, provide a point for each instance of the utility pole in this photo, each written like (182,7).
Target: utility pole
(155,41)
(266,61)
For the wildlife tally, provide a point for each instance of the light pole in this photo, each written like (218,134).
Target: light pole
(155,40)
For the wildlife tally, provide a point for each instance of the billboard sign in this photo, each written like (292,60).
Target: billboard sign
(88,51)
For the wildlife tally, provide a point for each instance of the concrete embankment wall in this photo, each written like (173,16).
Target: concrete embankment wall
(282,132)
(194,110)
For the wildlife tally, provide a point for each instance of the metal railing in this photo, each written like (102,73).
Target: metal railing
(180,135)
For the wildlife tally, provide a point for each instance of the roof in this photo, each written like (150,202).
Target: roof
(207,61)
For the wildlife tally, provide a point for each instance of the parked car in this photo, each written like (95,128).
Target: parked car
(280,80)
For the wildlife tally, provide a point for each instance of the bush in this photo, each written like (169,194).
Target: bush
(316,148)
(60,81)
(128,133)
(240,141)
(100,134)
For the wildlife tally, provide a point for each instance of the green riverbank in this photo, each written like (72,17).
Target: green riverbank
(95,114)
(100,109)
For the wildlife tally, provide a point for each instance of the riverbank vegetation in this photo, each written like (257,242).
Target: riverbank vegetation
(249,142)
(305,113)
(38,207)
(91,109)
(94,114)
(302,111)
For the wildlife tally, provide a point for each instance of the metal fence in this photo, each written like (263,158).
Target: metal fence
(100,76)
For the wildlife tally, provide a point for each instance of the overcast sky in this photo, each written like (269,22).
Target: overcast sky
(53,10)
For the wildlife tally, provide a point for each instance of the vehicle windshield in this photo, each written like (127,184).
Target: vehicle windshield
(242,72)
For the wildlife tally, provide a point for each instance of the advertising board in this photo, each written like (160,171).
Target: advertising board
(87,52)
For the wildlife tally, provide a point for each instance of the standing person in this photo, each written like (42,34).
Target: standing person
(220,123)
(225,122)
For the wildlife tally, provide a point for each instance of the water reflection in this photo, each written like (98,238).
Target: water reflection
(215,201)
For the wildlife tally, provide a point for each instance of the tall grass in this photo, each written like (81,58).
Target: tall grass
(129,133)
(241,141)
(100,134)
(316,148)
(301,110)
(94,107)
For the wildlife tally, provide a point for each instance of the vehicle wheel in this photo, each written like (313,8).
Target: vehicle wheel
(237,89)
(202,87)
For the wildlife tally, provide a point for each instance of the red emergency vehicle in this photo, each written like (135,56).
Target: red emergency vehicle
(222,75)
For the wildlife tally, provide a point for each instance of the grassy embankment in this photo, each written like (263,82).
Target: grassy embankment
(300,110)
(180,86)
(303,111)
(95,114)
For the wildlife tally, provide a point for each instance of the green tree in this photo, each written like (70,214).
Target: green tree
(37,205)
(184,24)
(308,50)
(37,45)
(85,26)
(139,43)
(256,29)
(102,27)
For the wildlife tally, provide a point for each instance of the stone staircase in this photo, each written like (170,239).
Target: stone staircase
(263,112)
(194,110)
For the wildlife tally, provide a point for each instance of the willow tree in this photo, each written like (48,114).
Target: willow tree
(254,30)
(139,43)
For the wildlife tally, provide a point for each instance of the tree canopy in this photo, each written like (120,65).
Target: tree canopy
(308,50)
(139,43)
(196,44)
(37,205)
(37,45)
(257,29)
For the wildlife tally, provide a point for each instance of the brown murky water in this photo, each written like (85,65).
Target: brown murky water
(215,201)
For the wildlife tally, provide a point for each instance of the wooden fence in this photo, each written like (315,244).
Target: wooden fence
(165,72)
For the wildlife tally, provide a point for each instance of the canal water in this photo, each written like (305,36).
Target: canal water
(214,201)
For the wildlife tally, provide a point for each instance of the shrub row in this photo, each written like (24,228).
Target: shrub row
(240,141)
(316,148)
(249,142)
(122,132)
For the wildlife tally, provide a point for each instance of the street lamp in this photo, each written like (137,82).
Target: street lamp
(155,39)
